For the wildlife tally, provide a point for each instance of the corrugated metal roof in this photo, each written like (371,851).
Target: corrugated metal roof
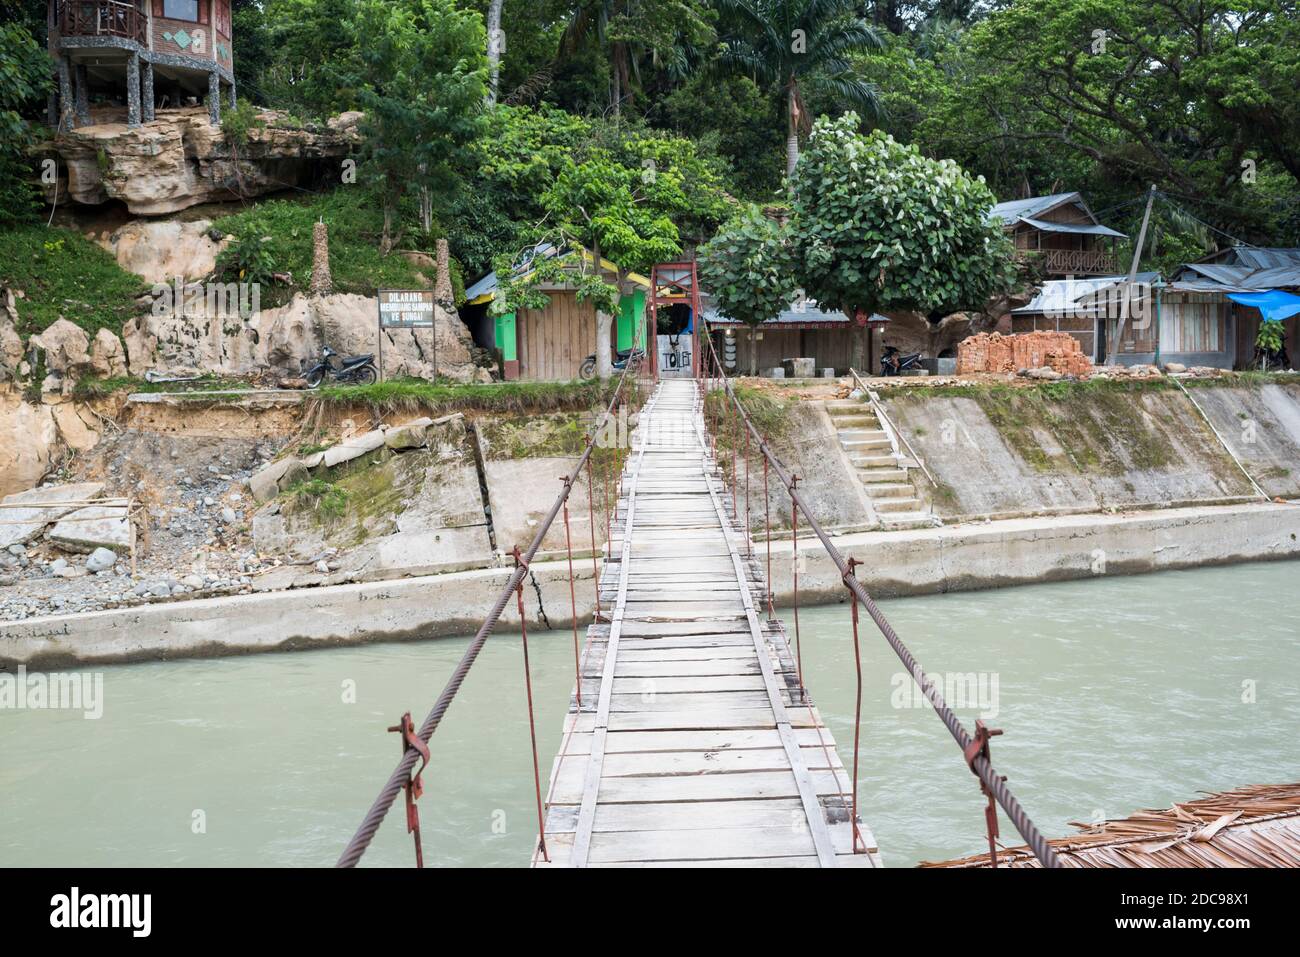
(1060,297)
(1255,257)
(483,290)
(1212,277)
(801,312)
(1015,209)
(1094,229)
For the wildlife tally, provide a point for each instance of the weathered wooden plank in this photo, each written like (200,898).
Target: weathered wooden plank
(674,685)
(682,845)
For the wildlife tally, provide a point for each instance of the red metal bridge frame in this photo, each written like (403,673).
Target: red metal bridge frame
(672,284)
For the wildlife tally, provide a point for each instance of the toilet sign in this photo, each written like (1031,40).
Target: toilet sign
(405,309)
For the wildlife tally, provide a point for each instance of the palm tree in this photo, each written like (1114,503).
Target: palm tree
(797,45)
(669,34)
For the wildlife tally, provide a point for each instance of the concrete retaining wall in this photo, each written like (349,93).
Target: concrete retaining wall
(1018,450)
(986,555)
(1262,427)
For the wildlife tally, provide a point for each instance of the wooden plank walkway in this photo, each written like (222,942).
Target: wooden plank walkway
(693,745)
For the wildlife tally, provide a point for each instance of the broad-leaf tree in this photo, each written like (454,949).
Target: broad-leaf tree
(25,70)
(421,78)
(749,271)
(878,226)
(798,46)
(623,203)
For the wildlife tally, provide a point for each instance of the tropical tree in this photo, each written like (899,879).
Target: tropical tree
(877,226)
(635,30)
(621,201)
(798,47)
(420,73)
(749,270)
(25,70)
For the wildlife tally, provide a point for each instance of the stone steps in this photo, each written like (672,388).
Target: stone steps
(872,476)
(878,466)
(896,504)
(872,459)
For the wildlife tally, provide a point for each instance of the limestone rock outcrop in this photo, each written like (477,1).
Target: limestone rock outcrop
(181,160)
(66,348)
(11,344)
(161,250)
(107,354)
(29,438)
(285,339)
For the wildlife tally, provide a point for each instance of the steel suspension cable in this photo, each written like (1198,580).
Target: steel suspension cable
(401,775)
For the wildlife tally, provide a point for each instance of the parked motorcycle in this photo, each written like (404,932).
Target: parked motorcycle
(894,362)
(354,370)
(588,368)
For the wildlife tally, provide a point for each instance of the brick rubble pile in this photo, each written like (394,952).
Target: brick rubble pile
(991,352)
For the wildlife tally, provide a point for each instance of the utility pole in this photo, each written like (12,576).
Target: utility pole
(1112,349)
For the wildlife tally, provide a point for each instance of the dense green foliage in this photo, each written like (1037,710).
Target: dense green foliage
(878,226)
(640,126)
(24,77)
(749,268)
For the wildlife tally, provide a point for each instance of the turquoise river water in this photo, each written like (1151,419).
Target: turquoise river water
(1116,694)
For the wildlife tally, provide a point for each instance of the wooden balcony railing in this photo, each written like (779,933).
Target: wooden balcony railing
(104,18)
(1074,262)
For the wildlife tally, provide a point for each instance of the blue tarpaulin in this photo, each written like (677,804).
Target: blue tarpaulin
(1274,305)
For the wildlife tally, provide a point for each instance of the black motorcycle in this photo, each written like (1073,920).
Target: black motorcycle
(588,368)
(354,370)
(894,362)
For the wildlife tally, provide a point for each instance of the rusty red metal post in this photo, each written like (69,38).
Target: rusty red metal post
(532,726)
(979,748)
(573,597)
(794,568)
(595,560)
(749,539)
(857,708)
(767,525)
(414,786)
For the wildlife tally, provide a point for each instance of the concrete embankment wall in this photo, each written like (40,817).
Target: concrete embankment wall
(1109,445)
(1261,425)
(925,561)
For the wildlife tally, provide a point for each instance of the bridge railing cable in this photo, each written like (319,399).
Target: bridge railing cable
(401,779)
(974,748)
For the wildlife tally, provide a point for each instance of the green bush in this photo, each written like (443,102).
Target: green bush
(247,259)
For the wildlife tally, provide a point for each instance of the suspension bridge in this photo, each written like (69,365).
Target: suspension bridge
(691,738)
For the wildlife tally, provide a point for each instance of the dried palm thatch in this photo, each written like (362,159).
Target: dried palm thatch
(1256,826)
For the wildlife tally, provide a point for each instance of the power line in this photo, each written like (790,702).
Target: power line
(1190,215)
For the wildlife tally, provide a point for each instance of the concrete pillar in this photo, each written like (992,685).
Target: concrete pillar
(214,98)
(146,90)
(133,90)
(67,119)
(232,96)
(81,94)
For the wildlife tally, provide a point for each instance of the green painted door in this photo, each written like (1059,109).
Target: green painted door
(631,321)
(507,339)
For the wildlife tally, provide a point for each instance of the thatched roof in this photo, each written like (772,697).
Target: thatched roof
(1256,826)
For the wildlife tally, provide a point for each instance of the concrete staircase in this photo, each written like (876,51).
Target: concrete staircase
(879,467)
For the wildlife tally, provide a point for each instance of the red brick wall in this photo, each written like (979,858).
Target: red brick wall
(990,352)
